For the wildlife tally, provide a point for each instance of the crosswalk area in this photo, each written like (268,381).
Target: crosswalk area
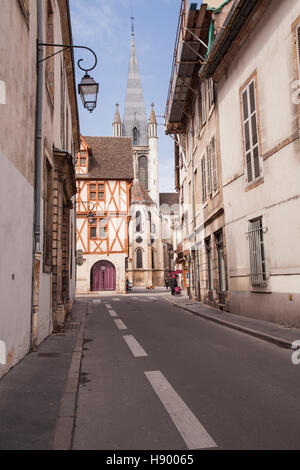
(141,298)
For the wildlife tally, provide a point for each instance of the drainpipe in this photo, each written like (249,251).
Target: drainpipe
(37,181)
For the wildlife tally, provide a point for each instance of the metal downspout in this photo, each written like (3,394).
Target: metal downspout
(37,181)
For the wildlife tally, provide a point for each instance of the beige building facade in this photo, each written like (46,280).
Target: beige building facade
(246,226)
(32,309)
(258,96)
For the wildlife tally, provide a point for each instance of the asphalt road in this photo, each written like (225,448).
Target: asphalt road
(156,377)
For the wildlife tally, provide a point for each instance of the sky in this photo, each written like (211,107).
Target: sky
(105,27)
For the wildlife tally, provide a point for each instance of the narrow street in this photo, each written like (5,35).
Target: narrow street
(156,377)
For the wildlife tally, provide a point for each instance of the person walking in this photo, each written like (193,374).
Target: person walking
(173,284)
(167,283)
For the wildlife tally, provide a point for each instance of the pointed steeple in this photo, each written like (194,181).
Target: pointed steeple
(135,112)
(117,124)
(152,123)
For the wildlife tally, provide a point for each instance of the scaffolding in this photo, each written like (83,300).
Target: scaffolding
(190,51)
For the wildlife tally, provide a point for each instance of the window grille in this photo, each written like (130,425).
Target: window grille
(258,275)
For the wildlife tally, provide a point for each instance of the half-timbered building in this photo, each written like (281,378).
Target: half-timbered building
(104,178)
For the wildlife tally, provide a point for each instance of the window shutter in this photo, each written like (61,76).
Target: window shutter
(254,165)
(214,165)
(298,48)
(204,196)
(203,102)
(209,189)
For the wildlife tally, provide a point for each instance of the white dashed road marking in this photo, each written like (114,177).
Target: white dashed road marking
(191,430)
(120,325)
(95,302)
(108,306)
(112,313)
(116,300)
(135,347)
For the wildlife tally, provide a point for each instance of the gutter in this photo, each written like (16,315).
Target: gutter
(233,23)
(36,257)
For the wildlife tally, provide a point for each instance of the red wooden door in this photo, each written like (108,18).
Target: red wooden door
(103,276)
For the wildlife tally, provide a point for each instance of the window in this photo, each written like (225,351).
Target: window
(190,142)
(49,51)
(214,169)
(138,222)
(153,258)
(196,120)
(139,258)
(48,187)
(208,156)
(298,48)
(143,171)
(258,275)
(93,231)
(203,170)
(96,192)
(103,228)
(250,126)
(211,93)
(203,103)
(135,136)
(209,264)
(82,159)
(98,229)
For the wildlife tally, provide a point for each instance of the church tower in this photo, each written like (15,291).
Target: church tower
(145,261)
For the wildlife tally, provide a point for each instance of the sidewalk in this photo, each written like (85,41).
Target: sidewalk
(281,335)
(37,397)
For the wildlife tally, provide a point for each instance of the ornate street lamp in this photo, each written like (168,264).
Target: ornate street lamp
(88,89)
(91,218)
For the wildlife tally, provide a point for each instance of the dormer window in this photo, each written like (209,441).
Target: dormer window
(135,136)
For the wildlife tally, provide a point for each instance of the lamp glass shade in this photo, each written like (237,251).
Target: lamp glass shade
(88,90)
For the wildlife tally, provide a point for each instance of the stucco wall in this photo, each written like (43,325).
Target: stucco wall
(270,52)
(16,261)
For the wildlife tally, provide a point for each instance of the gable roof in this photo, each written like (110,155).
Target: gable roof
(170,199)
(139,195)
(110,158)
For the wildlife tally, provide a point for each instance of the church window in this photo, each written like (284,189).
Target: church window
(135,136)
(139,259)
(153,258)
(138,220)
(143,171)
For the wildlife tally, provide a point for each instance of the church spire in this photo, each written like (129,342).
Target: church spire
(117,124)
(135,118)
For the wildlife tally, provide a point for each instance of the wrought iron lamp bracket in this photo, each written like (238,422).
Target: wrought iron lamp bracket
(69,46)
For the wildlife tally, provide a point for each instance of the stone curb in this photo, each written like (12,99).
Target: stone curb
(283,343)
(66,419)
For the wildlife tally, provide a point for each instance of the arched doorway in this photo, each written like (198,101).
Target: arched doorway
(103,276)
